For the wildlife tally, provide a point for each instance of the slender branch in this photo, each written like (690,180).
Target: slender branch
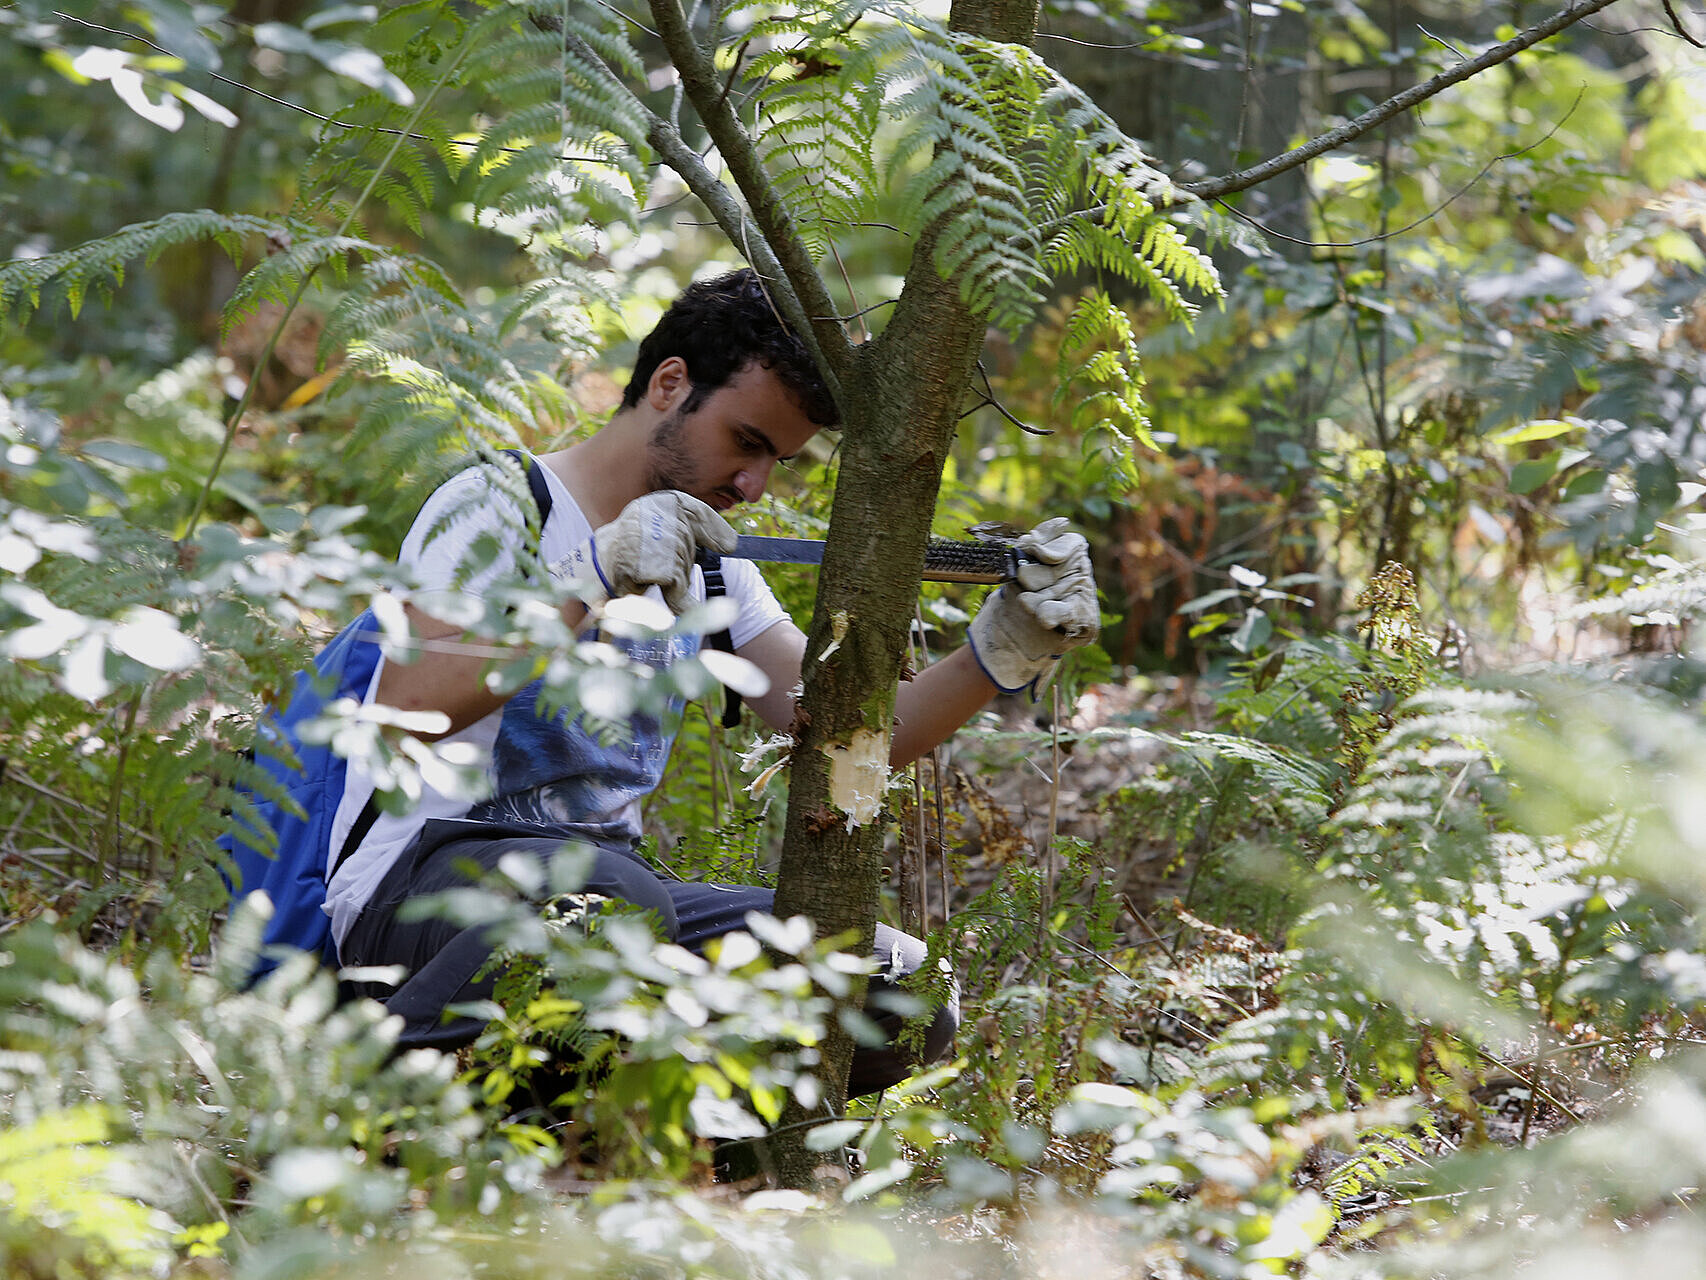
(1396,105)
(1045,891)
(806,304)
(1534,1085)
(1680,29)
(990,401)
(1139,49)
(860,314)
(1428,216)
(1441,40)
(116,797)
(734,73)
(627,17)
(914,878)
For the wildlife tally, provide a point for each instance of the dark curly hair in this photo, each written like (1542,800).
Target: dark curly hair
(720,326)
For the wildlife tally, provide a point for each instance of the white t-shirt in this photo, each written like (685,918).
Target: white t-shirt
(546,772)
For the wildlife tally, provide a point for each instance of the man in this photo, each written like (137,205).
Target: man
(721,392)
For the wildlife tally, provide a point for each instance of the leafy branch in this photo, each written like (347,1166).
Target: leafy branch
(1396,105)
(811,302)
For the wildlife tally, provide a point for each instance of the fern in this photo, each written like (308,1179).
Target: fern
(564,145)
(818,144)
(1475,920)
(1012,173)
(971,195)
(435,373)
(1664,592)
(399,319)
(100,265)
(1101,373)
(1040,1001)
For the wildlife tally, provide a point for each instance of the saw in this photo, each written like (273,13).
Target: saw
(944,560)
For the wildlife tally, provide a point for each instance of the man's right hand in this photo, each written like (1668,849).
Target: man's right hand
(652,543)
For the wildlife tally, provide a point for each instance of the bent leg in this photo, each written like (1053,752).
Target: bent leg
(442,956)
(877,1067)
(706,911)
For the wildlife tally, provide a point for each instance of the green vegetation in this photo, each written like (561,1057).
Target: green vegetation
(1341,916)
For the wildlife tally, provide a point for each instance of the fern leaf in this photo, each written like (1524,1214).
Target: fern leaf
(101,264)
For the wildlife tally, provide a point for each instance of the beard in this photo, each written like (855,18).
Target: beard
(667,463)
(670,465)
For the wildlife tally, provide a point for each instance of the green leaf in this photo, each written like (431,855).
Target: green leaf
(125,454)
(340,13)
(361,65)
(283,37)
(1264,674)
(1539,429)
(153,639)
(1212,598)
(834,1135)
(1531,473)
(1253,632)
(1585,484)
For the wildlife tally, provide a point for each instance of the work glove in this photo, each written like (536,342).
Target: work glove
(652,543)
(1025,628)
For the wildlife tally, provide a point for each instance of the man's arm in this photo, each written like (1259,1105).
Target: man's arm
(445,676)
(928,707)
(651,543)
(1016,639)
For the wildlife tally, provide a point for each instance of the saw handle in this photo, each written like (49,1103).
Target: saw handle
(982,561)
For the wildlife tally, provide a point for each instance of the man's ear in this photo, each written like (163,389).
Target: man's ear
(669,384)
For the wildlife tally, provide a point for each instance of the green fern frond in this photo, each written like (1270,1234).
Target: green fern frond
(1099,364)
(514,60)
(1010,171)
(555,129)
(607,35)
(279,277)
(819,155)
(100,265)
(1170,254)
(1662,589)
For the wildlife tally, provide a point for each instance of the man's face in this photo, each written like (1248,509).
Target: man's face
(723,452)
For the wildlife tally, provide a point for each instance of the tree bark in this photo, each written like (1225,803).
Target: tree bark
(900,410)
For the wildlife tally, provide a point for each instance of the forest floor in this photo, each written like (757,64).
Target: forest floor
(1004,802)
(1003,784)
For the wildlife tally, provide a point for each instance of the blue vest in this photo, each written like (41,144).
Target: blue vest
(306,783)
(294,870)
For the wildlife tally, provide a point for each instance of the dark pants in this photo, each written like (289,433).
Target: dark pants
(442,957)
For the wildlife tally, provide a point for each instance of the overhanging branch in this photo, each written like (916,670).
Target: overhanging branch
(731,218)
(1393,106)
(813,310)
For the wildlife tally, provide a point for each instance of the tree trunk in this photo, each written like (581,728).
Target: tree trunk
(900,408)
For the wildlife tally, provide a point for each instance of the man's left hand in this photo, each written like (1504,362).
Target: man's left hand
(1024,629)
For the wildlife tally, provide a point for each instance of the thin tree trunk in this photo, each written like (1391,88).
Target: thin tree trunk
(900,410)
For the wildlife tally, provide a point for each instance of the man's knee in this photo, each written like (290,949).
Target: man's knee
(616,874)
(921,1027)
(914,1036)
